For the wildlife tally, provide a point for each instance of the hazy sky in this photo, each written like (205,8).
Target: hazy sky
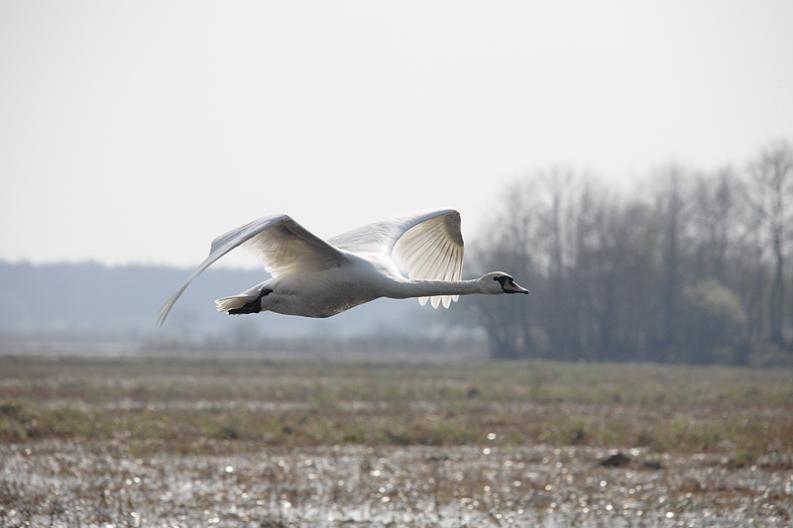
(137,131)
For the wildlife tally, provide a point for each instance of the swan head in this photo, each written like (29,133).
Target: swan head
(500,282)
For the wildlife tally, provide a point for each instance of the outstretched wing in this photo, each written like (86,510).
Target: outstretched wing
(284,246)
(427,244)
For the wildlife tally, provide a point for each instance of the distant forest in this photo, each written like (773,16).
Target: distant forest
(693,266)
(74,301)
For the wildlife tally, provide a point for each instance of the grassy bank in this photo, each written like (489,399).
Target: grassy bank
(183,405)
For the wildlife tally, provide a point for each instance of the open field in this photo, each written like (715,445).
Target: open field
(156,442)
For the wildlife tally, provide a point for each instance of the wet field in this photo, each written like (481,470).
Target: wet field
(309,443)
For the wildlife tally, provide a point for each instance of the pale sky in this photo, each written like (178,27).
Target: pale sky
(138,131)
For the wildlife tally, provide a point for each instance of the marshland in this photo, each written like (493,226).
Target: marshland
(280,442)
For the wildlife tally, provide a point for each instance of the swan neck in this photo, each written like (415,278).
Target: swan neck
(430,288)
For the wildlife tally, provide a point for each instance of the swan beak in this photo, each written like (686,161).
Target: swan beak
(514,287)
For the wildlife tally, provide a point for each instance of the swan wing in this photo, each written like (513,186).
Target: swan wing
(283,245)
(428,245)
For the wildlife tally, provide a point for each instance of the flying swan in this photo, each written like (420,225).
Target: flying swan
(314,278)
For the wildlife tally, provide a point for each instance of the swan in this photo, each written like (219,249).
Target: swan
(314,278)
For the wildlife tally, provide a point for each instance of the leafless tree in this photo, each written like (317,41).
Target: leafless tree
(771,186)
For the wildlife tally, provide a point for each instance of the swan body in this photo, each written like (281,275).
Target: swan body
(314,278)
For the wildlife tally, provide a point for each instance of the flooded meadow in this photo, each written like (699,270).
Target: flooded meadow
(156,442)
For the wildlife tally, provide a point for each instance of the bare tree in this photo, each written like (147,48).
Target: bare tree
(715,214)
(771,186)
(672,215)
(512,237)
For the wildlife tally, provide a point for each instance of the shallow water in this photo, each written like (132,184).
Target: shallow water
(121,484)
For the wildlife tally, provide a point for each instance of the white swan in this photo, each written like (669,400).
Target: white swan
(314,278)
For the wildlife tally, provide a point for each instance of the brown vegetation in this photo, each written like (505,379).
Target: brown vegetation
(367,443)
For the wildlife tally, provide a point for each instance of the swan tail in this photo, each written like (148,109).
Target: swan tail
(232,302)
(243,303)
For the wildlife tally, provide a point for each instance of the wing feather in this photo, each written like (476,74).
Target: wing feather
(428,245)
(433,250)
(414,248)
(439,270)
(283,245)
(447,299)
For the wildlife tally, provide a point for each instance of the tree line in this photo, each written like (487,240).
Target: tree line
(692,266)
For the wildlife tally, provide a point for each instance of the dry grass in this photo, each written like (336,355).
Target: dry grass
(180,402)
